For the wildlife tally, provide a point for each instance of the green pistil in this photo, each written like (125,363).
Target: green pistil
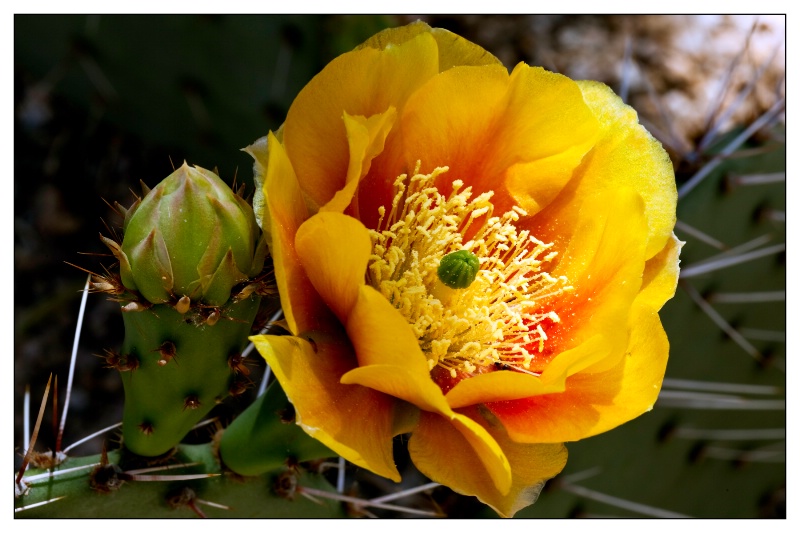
(458,269)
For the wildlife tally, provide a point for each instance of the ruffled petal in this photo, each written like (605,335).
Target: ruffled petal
(480,122)
(303,308)
(603,262)
(444,454)
(661,274)
(510,385)
(363,82)
(327,410)
(626,156)
(365,137)
(595,402)
(456,452)
(454,50)
(334,250)
(389,356)
(399,383)
(260,154)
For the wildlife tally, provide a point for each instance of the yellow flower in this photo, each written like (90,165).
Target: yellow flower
(419,144)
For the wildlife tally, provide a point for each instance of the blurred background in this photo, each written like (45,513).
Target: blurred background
(102,102)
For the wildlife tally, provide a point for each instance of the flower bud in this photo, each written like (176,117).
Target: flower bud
(191,236)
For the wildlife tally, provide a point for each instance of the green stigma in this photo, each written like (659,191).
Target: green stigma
(458,269)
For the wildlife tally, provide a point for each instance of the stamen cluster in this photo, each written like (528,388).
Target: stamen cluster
(496,322)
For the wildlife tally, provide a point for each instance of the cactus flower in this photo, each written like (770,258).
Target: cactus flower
(190,236)
(543,328)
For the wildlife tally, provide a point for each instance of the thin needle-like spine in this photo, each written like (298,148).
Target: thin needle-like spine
(404,493)
(205,423)
(26,414)
(705,267)
(696,400)
(743,94)
(730,434)
(180,477)
(627,68)
(61,472)
(160,468)
(699,235)
(340,476)
(38,504)
(213,504)
(763,334)
(581,476)
(748,297)
(364,503)
(72,361)
(725,85)
(721,322)
(35,434)
(738,249)
(758,179)
(757,124)
(716,386)
(55,414)
(622,503)
(274,318)
(262,387)
(90,437)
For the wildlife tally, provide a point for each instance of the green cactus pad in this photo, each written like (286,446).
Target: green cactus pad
(183,370)
(265,436)
(239,497)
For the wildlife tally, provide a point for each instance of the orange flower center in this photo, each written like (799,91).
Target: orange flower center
(493,324)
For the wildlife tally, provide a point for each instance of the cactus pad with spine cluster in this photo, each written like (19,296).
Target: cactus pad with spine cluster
(190,285)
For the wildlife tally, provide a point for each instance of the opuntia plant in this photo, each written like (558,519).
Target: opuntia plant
(190,290)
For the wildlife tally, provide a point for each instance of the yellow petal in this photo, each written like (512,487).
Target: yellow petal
(399,383)
(595,402)
(626,156)
(603,262)
(389,356)
(365,137)
(640,373)
(302,306)
(480,122)
(454,50)
(452,451)
(494,387)
(534,184)
(363,82)
(334,250)
(509,385)
(260,154)
(661,275)
(356,422)
(444,454)
(381,335)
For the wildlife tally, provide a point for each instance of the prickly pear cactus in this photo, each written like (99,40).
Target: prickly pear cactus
(189,285)
(713,446)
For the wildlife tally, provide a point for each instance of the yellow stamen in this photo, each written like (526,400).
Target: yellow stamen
(493,323)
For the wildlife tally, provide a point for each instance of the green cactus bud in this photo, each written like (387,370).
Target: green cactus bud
(190,236)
